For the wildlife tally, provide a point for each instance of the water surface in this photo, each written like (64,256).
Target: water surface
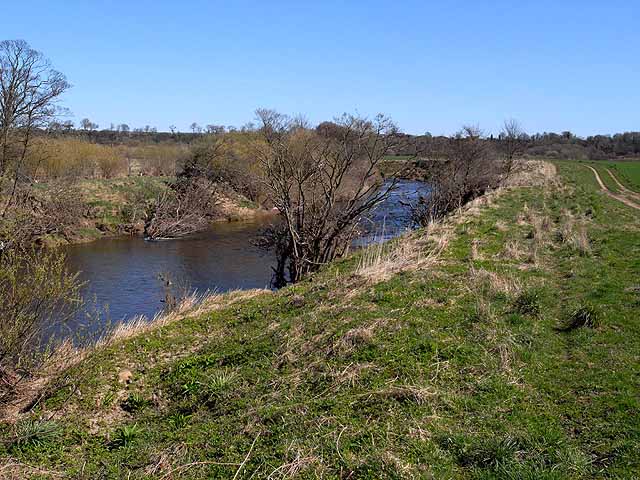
(122,274)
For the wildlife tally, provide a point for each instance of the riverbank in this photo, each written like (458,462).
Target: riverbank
(500,343)
(116,207)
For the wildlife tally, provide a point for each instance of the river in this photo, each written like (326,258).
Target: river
(122,275)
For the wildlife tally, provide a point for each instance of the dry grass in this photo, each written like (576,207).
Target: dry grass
(382,261)
(12,470)
(532,173)
(514,250)
(573,232)
(492,283)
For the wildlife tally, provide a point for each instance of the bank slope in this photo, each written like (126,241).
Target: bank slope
(503,343)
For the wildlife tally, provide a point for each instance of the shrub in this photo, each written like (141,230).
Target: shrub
(37,291)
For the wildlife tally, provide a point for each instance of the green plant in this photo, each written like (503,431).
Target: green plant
(134,403)
(220,381)
(178,420)
(125,436)
(108,398)
(34,433)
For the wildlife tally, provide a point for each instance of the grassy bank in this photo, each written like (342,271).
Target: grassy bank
(116,206)
(503,343)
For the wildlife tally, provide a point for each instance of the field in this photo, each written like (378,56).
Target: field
(501,343)
(627,173)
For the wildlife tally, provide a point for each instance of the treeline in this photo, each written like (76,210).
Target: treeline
(597,147)
(124,134)
(563,145)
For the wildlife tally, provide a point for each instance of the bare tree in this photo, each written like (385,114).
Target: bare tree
(195,128)
(29,88)
(87,125)
(460,168)
(512,143)
(215,129)
(322,184)
(191,202)
(35,287)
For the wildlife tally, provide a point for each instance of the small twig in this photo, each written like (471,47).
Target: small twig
(246,458)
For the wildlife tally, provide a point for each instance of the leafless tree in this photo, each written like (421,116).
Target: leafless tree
(191,202)
(512,143)
(87,125)
(461,168)
(29,89)
(181,210)
(322,184)
(35,286)
(215,129)
(195,128)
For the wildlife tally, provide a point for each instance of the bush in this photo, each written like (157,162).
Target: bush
(37,291)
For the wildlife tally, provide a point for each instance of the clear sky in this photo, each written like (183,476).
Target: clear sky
(431,66)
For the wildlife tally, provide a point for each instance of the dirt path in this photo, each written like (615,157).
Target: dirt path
(627,191)
(619,197)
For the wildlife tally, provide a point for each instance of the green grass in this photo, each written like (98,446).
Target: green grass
(627,172)
(439,372)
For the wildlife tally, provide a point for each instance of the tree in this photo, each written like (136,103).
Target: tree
(35,286)
(322,184)
(124,128)
(29,90)
(512,142)
(195,128)
(215,129)
(88,125)
(462,168)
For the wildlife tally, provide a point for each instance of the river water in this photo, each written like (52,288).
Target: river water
(122,275)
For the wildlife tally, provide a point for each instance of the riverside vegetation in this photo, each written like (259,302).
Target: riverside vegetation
(444,353)
(500,342)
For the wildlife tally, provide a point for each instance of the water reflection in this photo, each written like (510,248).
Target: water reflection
(122,274)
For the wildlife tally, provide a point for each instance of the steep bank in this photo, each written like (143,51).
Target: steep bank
(502,343)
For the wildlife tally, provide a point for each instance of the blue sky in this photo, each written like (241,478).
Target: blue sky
(431,66)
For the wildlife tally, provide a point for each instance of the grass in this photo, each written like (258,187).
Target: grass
(627,172)
(459,367)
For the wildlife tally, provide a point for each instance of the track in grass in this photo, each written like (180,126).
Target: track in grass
(620,197)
